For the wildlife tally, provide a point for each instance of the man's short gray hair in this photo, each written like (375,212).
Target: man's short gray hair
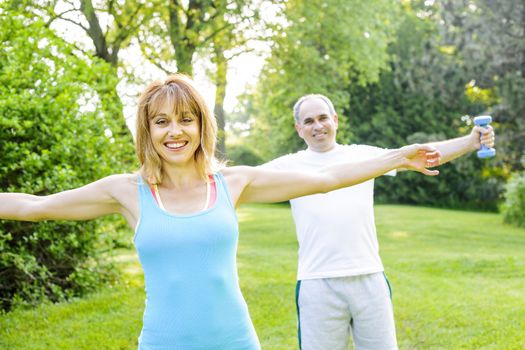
(297,106)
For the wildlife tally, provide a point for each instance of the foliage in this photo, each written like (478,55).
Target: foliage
(437,262)
(55,134)
(490,42)
(424,92)
(241,154)
(109,27)
(216,31)
(231,39)
(514,206)
(182,29)
(321,48)
(425,97)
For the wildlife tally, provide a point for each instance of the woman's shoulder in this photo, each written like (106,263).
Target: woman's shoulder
(121,182)
(236,170)
(122,187)
(122,178)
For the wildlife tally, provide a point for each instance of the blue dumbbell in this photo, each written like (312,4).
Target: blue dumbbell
(484,152)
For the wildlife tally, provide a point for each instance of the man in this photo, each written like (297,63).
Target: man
(341,285)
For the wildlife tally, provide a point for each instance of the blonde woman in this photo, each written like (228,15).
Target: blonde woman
(181,205)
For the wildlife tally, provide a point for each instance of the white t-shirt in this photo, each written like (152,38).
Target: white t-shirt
(336,231)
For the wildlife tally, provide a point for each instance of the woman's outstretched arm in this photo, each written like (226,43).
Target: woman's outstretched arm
(249,184)
(88,202)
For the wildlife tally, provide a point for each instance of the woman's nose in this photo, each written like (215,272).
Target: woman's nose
(175,129)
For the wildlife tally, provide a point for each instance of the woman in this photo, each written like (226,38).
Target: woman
(181,205)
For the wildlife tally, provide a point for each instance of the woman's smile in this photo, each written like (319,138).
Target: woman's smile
(175,145)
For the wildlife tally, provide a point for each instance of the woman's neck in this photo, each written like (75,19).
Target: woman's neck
(180,177)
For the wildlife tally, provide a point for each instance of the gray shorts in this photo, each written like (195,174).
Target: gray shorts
(329,310)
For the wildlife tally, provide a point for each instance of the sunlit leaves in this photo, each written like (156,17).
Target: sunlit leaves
(320,47)
(52,138)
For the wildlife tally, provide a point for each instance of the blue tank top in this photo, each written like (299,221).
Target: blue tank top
(193,299)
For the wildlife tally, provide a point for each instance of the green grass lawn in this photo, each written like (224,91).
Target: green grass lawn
(458,282)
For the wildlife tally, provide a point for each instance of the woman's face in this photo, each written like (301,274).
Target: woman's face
(175,136)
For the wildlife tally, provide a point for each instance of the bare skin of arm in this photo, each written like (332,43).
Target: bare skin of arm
(103,197)
(455,148)
(117,194)
(248,184)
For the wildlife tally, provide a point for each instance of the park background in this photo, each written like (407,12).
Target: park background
(398,72)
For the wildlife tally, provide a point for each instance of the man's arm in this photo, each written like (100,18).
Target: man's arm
(454,148)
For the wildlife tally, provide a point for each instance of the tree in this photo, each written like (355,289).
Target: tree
(226,45)
(425,96)
(54,135)
(489,36)
(110,27)
(220,78)
(420,92)
(213,28)
(322,47)
(191,27)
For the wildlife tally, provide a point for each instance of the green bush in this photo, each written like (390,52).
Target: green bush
(514,206)
(240,154)
(54,135)
(421,99)
(461,184)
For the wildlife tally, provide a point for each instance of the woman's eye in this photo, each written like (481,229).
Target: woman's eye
(187,120)
(160,121)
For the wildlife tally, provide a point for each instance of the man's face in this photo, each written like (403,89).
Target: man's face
(316,126)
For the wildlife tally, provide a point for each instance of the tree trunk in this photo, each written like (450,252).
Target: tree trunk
(180,32)
(95,32)
(110,99)
(220,93)
(184,57)
(523,37)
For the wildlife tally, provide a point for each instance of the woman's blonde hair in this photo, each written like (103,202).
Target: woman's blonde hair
(177,90)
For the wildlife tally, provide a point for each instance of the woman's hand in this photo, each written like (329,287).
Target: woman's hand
(420,157)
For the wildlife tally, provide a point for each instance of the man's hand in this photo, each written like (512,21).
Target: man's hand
(420,157)
(487,137)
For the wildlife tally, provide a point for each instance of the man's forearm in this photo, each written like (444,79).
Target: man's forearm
(454,148)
